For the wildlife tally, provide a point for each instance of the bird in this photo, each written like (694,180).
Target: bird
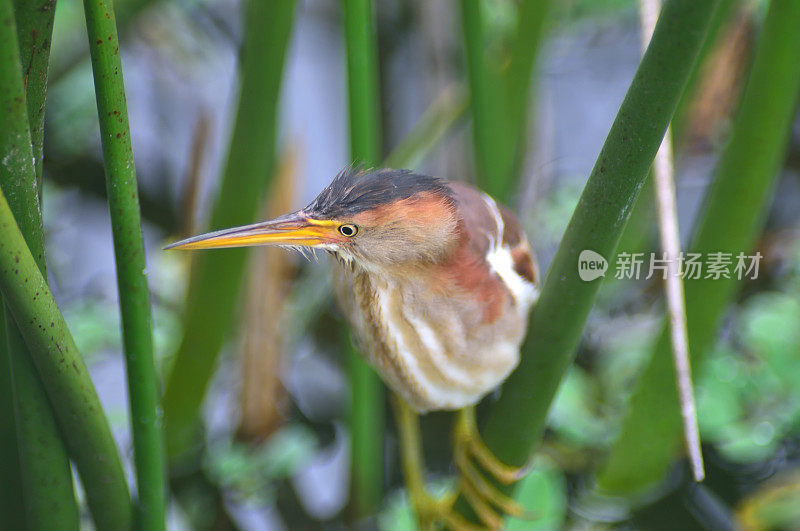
(437,280)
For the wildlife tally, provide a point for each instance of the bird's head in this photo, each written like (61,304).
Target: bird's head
(375,219)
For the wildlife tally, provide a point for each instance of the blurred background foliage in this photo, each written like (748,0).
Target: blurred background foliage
(288,468)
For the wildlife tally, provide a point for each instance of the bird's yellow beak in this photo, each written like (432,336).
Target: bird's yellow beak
(291,229)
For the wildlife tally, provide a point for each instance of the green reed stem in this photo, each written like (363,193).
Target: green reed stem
(639,232)
(532,15)
(730,222)
(48,500)
(516,421)
(493,141)
(12,504)
(499,99)
(216,278)
(366,391)
(72,395)
(134,296)
(35,29)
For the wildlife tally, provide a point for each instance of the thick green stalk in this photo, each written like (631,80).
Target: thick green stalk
(216,279)
(125,11)
(516,421)
(12,505)
(17,164)
(47,478)
(732,218)
(362,81)
(366,392)
(35,29)
(49,501)
(636,237)
(532,15)
(493,140)
(65,378)
(134,296)
(499,100)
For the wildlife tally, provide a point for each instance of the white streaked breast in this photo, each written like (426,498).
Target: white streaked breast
(449,369)
(424,391)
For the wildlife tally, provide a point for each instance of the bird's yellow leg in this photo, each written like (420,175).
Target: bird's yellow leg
(480,506)
(467,430)
(473,481)
(429,509)
(477,490)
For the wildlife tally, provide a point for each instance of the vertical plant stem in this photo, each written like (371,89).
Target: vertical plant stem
(125,13)
(597,222)
(18,181)
(492,139)
(636,236)
(366,396)
(517,419)
(362,81)
(11,500)
(532,15)
(35,29)
(47,495)
(216,278)
(667,208)
(744,177)
(498,99)
(49,499)
(12,505)
(134,296)
(83,425)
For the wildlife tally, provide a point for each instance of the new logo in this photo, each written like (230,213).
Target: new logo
(591,265)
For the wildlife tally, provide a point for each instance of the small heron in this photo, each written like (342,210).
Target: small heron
(437,280)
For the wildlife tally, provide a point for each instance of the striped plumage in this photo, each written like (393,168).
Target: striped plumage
(445,330)
(437,280)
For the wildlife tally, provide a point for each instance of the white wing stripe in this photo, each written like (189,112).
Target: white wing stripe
(500,260)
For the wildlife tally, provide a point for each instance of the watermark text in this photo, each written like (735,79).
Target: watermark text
(689,266)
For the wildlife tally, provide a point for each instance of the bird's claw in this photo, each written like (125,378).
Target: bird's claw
(440,513)
(486,500)
(436,513)
(474,462)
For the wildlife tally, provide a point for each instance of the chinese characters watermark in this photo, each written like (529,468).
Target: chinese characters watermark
(690,266)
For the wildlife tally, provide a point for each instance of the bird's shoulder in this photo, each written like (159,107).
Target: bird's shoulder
(487,225)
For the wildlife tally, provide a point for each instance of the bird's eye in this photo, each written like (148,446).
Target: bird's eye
(348,230)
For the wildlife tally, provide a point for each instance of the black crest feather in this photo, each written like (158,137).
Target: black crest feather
(355,190)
